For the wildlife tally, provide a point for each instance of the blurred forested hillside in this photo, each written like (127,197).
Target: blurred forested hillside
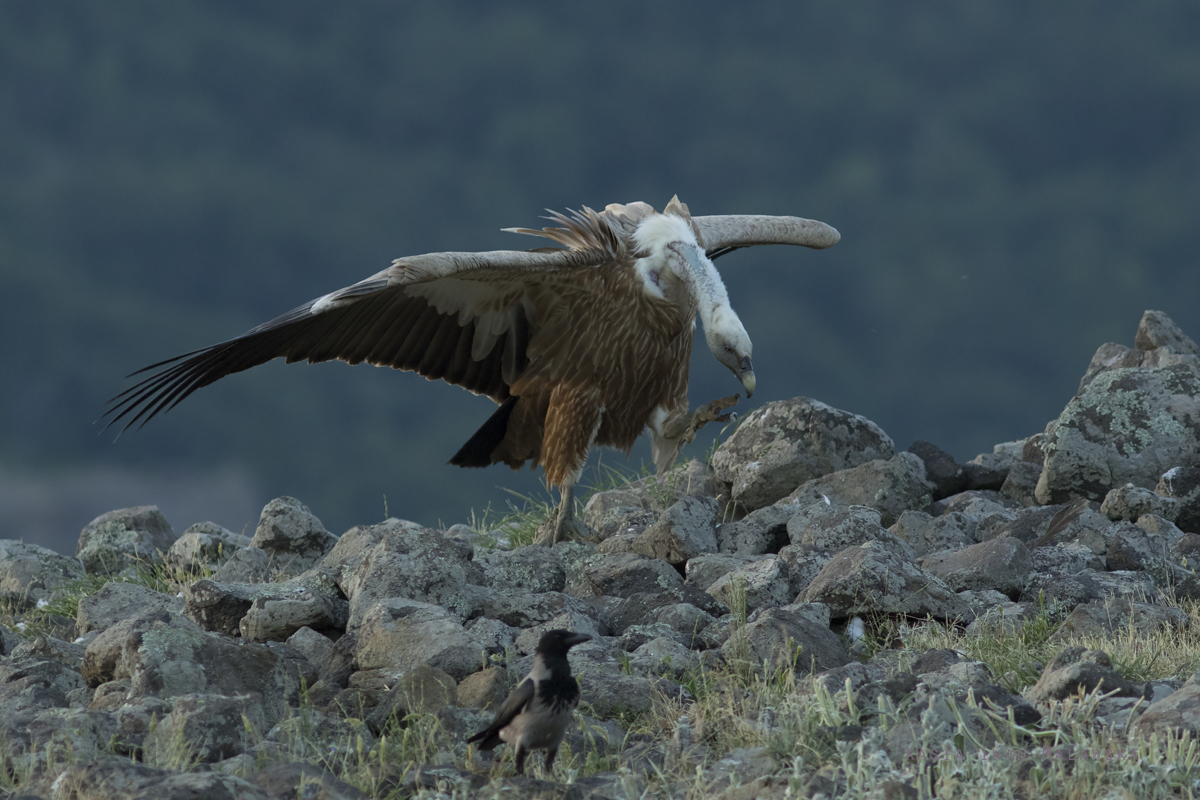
(1014,182)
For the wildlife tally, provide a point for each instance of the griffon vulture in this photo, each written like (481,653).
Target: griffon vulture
(580,345)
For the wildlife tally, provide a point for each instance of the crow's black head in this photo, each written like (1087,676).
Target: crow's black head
(559,642)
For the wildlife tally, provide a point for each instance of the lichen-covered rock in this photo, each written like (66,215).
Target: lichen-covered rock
(211,725)
(1103,617)
(529,569)
(926,534)
(836,528)
(1130,502)
(165,655)
(765,581)
(1020,484)
(205,544)
(273,616)
(1079,668)
(1182,484)
(1159,342)
(941,470)
(118,601)
(612,694)
(485,689)
(32,572)
(1128,426)
(521,610)
(300,780)
(1001,564)
(29,686)
(686,529)
(291,535)
(1178,713)
(248,565)
(782,638)
(890,486)
(121,779)
(123,538)
(785,443)
(421,690)
(314,646)
(399,634)
(623,574)
(761,531)
(642,608)
(402,559)
(872,577)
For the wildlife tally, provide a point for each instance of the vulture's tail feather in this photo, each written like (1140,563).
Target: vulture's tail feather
(477,452)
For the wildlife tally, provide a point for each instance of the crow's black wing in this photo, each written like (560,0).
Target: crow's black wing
(520,698)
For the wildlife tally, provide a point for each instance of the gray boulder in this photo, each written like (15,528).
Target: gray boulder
(763,582)
(117,778)
(210,726)
(529,569)
(204,545)
(761,531)
(118,601)
(786,443)
(167,655)
(926,534)
(1128,426)
(402,559)
(248,565)
(291,536)
(1159,342)
(873,577)
(31,572)
(1182,484)
(686,529)
(623,574)
(1001,564)
(1078,668)
(124,538)
(1103,617)
(399,634)
(778,638)
(1178,713)
(890,486)
(1130,502)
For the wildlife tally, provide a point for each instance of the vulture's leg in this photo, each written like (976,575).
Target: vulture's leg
(572,422)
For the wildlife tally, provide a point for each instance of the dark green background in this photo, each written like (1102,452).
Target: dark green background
(1015,183)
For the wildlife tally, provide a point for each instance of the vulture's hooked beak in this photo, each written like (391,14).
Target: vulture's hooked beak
(746,376)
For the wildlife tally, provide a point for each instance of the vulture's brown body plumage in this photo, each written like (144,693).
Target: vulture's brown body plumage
(583,344)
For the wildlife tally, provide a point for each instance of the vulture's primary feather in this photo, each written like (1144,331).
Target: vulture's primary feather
(583,344)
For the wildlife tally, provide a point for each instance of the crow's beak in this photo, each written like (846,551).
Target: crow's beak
(746,376)
(576,638)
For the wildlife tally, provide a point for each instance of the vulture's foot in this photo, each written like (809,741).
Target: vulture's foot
(564,526)
(555,530)
(709,412)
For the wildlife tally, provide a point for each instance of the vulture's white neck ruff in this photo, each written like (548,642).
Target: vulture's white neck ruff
(670,243)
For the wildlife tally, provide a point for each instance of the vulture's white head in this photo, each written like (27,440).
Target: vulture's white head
(669,241)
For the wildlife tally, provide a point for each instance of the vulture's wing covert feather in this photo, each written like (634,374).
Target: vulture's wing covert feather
(461,317)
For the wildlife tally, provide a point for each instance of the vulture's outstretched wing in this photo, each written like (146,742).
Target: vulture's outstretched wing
(724,233)
(465,318)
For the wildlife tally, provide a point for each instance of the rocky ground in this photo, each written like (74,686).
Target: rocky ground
(809,615)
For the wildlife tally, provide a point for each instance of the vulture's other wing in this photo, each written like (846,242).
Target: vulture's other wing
(724,233)
(489,737)
(465,318)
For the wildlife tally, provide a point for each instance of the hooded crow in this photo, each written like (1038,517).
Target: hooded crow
(535,715)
